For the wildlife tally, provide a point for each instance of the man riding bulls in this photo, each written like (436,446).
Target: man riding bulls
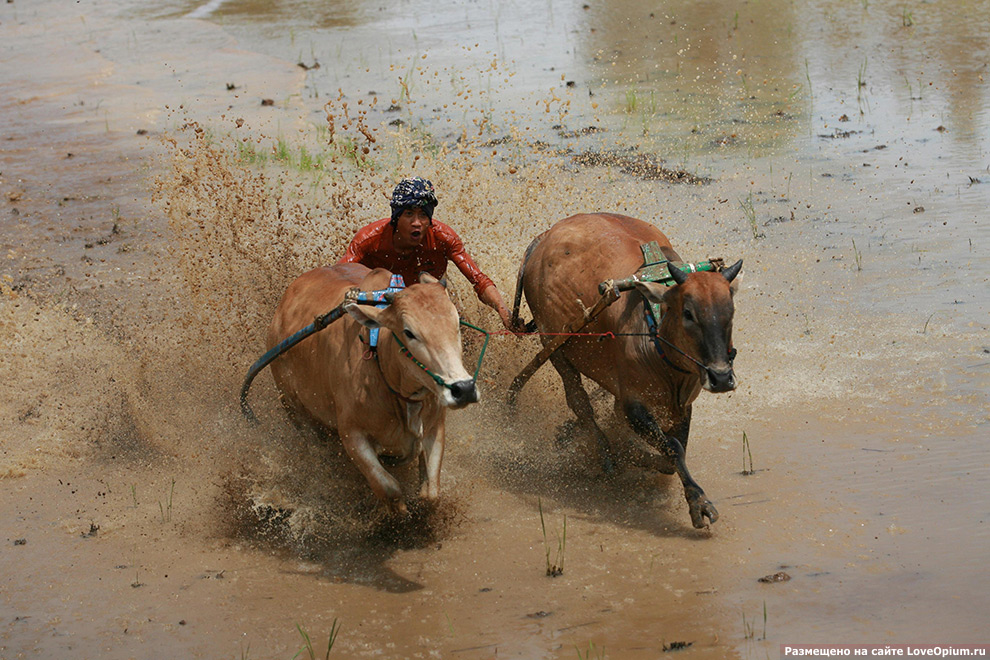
(411,242)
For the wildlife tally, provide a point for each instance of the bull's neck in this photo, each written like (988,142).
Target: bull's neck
(396,370)
(667,360)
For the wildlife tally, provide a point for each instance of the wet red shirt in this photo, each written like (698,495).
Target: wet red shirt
(372,246)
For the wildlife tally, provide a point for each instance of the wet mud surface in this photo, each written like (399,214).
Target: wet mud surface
(145,245)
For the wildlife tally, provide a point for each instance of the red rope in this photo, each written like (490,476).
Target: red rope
(610,335)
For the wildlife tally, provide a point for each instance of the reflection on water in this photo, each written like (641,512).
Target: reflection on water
(712,74)
(887,97)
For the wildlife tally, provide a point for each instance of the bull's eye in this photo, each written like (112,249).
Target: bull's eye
(688,316)
(409,334)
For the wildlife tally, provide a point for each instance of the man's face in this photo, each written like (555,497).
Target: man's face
(411,225)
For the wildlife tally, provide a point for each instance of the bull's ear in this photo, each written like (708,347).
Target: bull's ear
(366,315)
(652,291)
(734,284)
(426,278)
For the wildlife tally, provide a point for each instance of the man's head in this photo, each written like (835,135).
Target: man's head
(413,192)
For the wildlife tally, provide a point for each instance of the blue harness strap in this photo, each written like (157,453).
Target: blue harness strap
(395,285)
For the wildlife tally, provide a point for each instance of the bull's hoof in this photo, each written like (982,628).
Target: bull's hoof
(397,508)
(700,508)
(429,492)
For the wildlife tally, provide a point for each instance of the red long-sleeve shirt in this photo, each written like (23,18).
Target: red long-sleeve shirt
(373,247)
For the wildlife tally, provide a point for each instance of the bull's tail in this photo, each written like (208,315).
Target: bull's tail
(531,326)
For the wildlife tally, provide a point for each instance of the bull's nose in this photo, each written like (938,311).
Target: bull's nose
(721,381)
(464,391)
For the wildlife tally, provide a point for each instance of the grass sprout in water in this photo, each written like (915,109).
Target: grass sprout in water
(166,508)
(750,212)
(557,567)
(308,644)
(749,629)
(747,452)
(592,652)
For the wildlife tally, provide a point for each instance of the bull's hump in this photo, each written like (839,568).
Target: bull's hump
(609,232)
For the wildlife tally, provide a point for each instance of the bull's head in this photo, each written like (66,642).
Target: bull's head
(426,326)
(697,320)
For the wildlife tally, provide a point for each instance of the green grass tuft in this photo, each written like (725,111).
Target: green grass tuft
(557,566)
(308,644)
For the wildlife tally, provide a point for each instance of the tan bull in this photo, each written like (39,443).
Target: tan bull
(654,382)
(392,405)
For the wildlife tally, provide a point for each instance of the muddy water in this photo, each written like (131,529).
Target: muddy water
(142,516)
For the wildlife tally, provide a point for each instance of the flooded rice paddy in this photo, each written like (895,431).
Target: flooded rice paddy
(165,172)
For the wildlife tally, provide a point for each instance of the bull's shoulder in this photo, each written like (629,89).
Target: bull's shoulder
(349,274)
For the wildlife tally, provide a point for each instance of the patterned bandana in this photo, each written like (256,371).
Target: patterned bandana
(414,191)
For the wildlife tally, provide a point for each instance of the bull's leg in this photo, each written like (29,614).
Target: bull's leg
(382,483)
(670,446)
(640,452)
(682,429)
(429,463)
(580,405)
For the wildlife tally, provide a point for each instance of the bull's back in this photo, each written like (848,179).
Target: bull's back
(302,374)
(311,294)
(578,253)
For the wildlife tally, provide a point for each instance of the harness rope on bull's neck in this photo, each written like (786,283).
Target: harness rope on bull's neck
(436,379)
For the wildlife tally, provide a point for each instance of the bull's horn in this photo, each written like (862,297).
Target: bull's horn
(679,275)
(389,298)
(733,270)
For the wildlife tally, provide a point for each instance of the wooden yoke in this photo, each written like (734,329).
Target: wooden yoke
(609,296)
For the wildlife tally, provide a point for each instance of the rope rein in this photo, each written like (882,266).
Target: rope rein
(653,334)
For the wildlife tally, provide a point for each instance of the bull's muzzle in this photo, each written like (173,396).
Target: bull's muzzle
(464,392)
(719,380)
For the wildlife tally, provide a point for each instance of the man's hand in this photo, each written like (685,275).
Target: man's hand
(491,297)
(506,317)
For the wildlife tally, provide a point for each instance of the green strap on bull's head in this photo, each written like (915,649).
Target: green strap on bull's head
(484,347)
(437,379)
(405,351)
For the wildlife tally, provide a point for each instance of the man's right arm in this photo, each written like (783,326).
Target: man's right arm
(354,253)
(363,244)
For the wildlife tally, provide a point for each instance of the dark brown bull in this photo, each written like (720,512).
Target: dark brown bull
(387,408)
(654,382)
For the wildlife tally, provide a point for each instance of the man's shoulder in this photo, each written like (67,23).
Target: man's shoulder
(371,231)
(373,228)
(445,233)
